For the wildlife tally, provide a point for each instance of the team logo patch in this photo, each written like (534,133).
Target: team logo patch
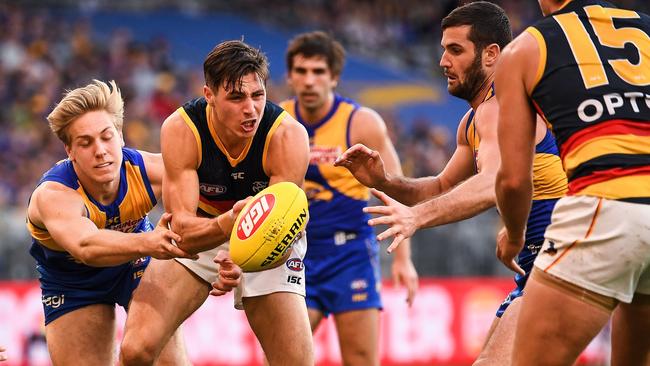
(295,264)
(212,189)
(359,284)
(259,186)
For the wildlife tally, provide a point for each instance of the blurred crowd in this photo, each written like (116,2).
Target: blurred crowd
(42,54)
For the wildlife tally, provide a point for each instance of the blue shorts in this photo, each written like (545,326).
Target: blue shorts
(344,280)
(525,259)
(65,292)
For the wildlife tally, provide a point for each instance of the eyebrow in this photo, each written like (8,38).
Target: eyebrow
(88,137)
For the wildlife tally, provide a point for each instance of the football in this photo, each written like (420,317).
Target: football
(267,227)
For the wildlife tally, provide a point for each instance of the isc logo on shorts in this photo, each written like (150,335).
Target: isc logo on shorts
(295,264)
(255,215)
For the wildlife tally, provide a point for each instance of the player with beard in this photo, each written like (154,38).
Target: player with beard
(473,37)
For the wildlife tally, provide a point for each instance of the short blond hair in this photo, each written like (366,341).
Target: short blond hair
(96,96)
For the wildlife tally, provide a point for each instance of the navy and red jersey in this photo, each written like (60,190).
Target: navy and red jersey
(593,88)
(223,179)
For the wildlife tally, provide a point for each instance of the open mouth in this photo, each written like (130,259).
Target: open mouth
(248,126)
(103,165)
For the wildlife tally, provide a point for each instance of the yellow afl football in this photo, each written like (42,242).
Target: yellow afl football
(267,227)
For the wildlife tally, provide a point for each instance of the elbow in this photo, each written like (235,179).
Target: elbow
(83,253)
(506,184)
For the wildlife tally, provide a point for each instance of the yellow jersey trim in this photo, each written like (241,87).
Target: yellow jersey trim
(541,44)
(190,124)
(267,142)
(233,161)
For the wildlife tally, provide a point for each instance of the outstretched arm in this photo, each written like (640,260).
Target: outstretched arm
(368,128)
(61,211)
(368,167)
(469,198)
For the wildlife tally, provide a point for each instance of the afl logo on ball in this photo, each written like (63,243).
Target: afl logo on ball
(295,264)
(254,217)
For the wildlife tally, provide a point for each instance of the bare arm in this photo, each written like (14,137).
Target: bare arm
(288,153)
(367,166)
(368,128)
(181,189)
(514,186)
(475,194)
(61,211)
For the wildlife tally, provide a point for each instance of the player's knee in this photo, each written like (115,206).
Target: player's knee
(360,356)
(291,356)
(135,353)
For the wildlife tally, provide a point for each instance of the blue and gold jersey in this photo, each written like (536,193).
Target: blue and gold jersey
(336,198)
(128,213)
(224,180)
(593,87)
(549,179)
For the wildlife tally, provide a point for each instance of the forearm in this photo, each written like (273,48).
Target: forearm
(468,199)
(411,191)
(200,233)
(106,248)
(514,203)
(403,251)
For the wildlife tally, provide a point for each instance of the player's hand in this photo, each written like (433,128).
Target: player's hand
(163,242)
(227,220)
(229,275)
(400,218)
(365,164)
(507,250)
(404,273)
(3,357)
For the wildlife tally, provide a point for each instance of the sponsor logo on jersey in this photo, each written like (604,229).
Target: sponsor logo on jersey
(254,217)
(593,109)
(295,264)
(259,186)
(324,154)
(212,189)
(125,227)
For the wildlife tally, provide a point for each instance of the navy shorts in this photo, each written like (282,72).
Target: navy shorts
(65,292)
(525,259)
(344,280)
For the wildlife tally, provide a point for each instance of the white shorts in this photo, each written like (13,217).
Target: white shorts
(600,245)
(284,278)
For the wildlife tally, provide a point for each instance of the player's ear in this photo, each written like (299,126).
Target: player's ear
(68,151)
(491,54)
(207,93)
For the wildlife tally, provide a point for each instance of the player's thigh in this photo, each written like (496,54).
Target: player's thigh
(84,336)
(355,349)
(631,332)
(275,316)
(497,349)
(556,315)
(315,317)
(167,295)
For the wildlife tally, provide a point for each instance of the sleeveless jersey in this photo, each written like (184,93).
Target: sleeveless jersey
(128,214)
(223,180)
(593,88)
(336,198)
(549,179)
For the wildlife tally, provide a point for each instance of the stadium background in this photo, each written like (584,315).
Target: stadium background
(154,50)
